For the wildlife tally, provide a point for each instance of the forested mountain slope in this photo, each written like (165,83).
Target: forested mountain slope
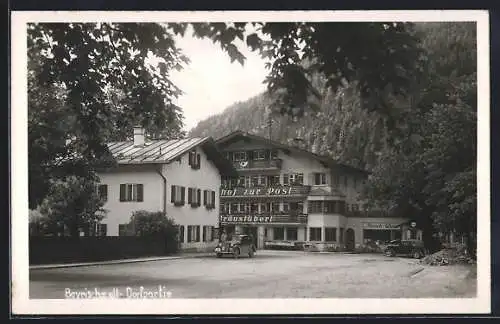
(341,128)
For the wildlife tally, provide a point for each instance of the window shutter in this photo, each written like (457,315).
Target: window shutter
(204,233)
(123,187)
(181,234)
(285,179)
(102,192)
(205,199)
(172,193)
(140,192)
(198,161)
(190,230)
(183,194)
(213,199)
(190,158)
(197,233)
(198,197)
(190,195)
(104,230)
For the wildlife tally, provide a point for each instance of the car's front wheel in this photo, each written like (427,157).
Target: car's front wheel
(390,252)
(219,255)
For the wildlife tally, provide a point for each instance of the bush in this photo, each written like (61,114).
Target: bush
(154,224)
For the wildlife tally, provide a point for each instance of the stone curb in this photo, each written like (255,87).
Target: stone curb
(86,264)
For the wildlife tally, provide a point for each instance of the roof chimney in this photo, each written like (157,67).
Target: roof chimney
(138,136)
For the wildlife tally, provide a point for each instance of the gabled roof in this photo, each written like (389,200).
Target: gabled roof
(325,160)
(166,151)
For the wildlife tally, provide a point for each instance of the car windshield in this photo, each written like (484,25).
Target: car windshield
(237,238)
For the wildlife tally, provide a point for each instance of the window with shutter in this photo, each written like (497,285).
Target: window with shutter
(190,195)
(205,198)
(181,234)
(213,199)
(172,194)
(102,192)
(209,233)
(132,192)
(197,233)
(205,233)
(140,192)
(286,179)
(190,233)
(319,179)
(122,229)
(183,195)
(198,198)
(123,188)
(198,161)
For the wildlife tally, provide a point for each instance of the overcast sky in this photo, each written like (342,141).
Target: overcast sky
(211,82)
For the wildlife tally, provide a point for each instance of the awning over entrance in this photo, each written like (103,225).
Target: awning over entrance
(381,226)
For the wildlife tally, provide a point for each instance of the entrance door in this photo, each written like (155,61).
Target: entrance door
(251,230)
(349,239)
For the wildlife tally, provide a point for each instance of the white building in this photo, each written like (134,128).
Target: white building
(181,177)
(285,195)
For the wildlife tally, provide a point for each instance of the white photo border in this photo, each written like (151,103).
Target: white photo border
(22,304)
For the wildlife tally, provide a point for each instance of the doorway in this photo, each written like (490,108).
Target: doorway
(349,239)
(251,230)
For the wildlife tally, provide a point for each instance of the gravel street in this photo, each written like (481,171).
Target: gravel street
(270,274)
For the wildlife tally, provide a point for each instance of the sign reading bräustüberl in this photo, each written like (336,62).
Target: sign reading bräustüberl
(246,219)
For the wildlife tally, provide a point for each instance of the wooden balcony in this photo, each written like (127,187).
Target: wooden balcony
(263,218)
(256,165)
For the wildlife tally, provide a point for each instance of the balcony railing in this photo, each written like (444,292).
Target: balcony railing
(265,192)
(263,218)
(274,164)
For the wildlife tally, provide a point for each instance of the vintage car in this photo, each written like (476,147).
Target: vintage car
(236,246)
(413,248)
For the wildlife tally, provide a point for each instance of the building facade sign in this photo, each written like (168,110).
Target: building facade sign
(270,191)
(296,219)
(254,219)
(380,226)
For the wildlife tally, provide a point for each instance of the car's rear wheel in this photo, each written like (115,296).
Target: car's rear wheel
(219,255)
(417,254)
(390,252)
(236,253)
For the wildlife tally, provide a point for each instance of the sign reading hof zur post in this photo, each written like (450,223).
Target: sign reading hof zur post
(269,191)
